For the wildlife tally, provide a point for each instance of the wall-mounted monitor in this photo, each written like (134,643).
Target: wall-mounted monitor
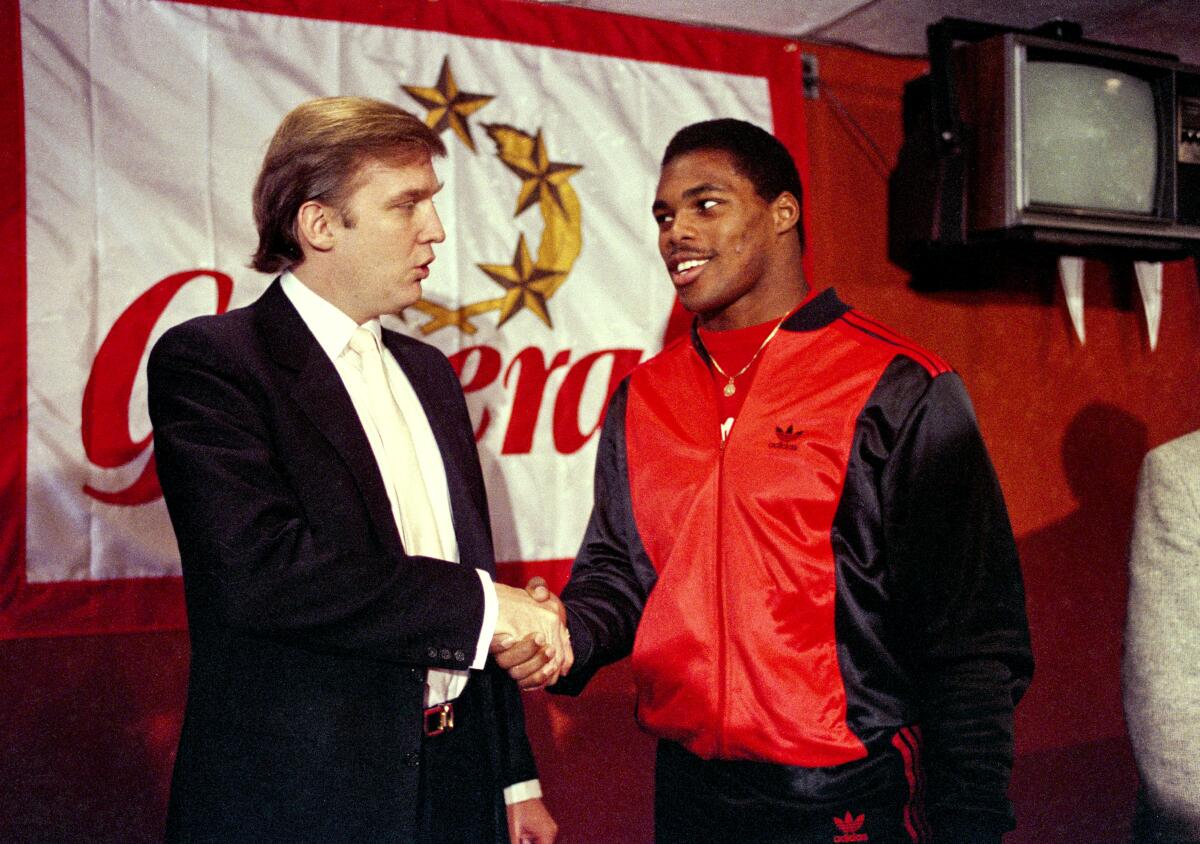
(1084,147)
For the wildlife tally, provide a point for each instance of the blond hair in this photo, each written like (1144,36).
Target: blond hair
(316,153)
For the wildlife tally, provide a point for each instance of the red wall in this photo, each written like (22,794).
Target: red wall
(87,726)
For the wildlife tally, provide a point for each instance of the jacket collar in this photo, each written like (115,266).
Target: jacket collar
(288,340)
(320,395)
(817,313)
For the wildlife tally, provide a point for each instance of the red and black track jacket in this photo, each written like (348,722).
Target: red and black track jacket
(841,569)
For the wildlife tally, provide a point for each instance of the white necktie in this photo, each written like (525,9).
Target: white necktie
(411,506)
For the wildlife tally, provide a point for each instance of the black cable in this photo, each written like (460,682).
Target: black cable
(882,165)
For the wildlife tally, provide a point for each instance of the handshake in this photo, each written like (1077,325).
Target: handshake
(531,641)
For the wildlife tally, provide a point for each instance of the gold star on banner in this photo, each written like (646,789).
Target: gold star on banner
(527,157)
(527,285)
(448,106)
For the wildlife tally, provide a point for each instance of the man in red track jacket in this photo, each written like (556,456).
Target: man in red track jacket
(799,536)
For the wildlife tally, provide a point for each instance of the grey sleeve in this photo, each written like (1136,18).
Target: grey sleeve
(1162,636)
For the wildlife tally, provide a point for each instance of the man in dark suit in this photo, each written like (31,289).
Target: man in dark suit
(322,480)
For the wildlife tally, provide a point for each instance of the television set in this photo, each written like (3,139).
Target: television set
(1039,137)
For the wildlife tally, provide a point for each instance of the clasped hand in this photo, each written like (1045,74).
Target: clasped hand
(531,641)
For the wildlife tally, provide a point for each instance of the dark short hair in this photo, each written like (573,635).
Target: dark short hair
(316,153)
(757,154)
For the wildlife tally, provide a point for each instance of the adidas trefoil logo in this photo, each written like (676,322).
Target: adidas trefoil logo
(850,825)
(785,438)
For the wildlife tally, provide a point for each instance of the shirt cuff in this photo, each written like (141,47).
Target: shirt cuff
(491,611)
(518,792)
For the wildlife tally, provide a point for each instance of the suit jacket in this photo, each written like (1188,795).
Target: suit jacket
(1162,641)
(311,627)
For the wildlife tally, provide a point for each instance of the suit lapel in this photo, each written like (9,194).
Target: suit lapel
(320,395)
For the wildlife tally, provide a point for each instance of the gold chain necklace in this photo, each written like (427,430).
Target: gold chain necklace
(729,389)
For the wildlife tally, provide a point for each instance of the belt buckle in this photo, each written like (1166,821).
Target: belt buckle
(439,719)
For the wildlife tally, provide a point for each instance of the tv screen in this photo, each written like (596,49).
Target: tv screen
(1089,138)
(1070,146)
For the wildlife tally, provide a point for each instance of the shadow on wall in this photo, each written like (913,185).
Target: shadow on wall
(1070,723)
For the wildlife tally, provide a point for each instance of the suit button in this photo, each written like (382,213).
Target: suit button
(417,675)
(412,760)
(445,653)
(431,653)
(460,656)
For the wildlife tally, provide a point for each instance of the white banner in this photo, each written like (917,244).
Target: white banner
(145,126)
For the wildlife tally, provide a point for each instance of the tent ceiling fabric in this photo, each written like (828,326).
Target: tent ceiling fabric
(898,26)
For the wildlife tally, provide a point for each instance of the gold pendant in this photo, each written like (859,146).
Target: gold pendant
(730,389)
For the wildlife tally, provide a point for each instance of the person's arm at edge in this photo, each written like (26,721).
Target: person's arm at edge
(1161,632)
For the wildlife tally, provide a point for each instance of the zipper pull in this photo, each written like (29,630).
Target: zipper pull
(726,427)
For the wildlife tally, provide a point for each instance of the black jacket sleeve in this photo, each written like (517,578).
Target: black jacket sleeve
(612,576)
(962,608)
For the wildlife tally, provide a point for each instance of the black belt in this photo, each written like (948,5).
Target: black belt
(439,719)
